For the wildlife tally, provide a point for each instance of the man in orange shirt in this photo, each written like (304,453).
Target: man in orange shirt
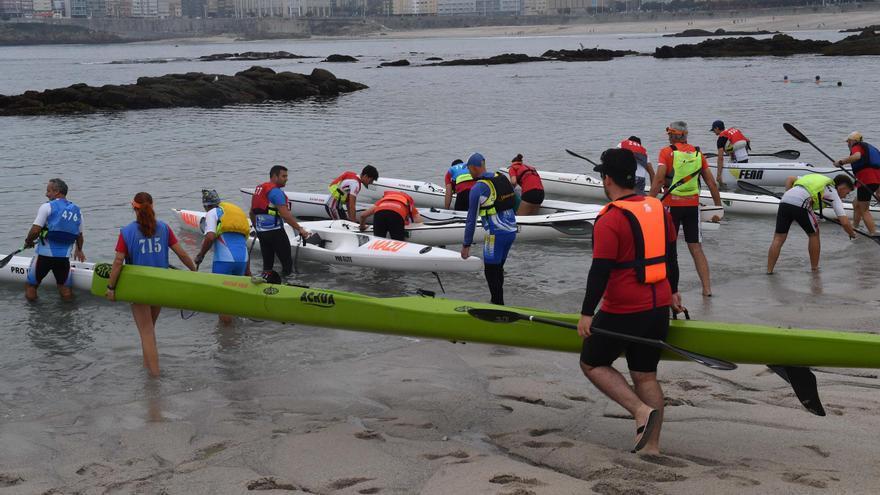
(679,169)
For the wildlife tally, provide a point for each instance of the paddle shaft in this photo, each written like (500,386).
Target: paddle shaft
(5,261)
(801,137)
(572,153)
(784,154)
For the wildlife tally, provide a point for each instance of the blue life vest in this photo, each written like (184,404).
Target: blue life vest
(457,171)
(871,160)
(146,251)
(64,222)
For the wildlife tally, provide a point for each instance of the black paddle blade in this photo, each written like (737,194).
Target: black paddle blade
(788,154)
(756,189)
(795,133)
(495,315)
(5,261)
(803,381)
(714,363)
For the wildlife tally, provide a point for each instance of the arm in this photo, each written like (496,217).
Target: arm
(447,198)
(31,239)
(114,276)
(365,215)
(210,237)
(352,208)
(836,201)
(719,165)
(657,183)
(650,169)
(850,159)
(471,223)
(78,253)
(789,182)
(287,216)
(512,177)
(713,187)
(184,258)
(416,217)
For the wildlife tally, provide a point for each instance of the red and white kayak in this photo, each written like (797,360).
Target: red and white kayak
(347,247)
(17,270)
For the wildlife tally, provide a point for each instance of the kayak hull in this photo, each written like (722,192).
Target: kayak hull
(771,174)
(17,270)
(447,319)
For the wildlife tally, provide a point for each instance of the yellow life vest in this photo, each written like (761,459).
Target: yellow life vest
(233,220)
(685,163)
(815,184)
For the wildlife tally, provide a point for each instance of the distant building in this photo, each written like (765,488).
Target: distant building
(43,8)
(456,7)
(119,8)
(575,6)
(16,8)
(414,7)
(510,6)
(145,8)
(535,7)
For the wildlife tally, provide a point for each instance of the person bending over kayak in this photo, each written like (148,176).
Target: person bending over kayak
(644,170)
(493,199)
(226,230)
(269,212)
(460,181)
(637,282)
(732,142)
(681,161)
(145,242)
(344,191)
(865,160)
(527,178)
(806,196)
(394,211)
(56,231)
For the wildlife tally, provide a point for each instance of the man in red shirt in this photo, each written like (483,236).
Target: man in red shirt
(865,160)
(679,162)
(635,273)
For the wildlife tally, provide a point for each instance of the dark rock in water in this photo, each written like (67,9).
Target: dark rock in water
(38,33)
(193,89)
(433,59)
(699,33)
(507,58)
(340,58)
(873,27)
(865,43)
(396,63)
(779,45)
(586,54)
(250,56)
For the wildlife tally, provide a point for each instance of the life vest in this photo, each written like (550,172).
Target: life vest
(147,251)
(685,163)
(527,169)
(260,204)
(336,192)
(870,159)
(398,202)
(233,220)
(460,174)
(501,196)
(64,222)
(647,221)
(638,151)
(733,135)
(815,184)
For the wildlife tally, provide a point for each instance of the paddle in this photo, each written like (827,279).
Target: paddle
(572,153)
(5,261)
(784,154)
(754,188)
(501,316)
(800,137)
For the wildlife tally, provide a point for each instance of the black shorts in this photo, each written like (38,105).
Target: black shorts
(687,217)
(866,193)
(790,213)
(385,222)
(42,265)
(462,200)
(601,350)
(535,196)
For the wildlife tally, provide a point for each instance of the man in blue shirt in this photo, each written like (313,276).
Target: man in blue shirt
(269,212)
(56,230)
(494,200)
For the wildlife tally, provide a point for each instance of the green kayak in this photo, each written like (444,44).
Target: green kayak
(447,319)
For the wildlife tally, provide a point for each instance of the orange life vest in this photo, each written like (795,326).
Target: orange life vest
(733,135)
(398,202)
(647,220)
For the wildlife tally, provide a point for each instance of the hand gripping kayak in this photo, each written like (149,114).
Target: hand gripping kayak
(501,316)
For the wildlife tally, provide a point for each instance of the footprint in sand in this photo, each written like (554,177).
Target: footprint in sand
(547,445)
(628,488)
(457,454)
(701,461)
(94,469)
(506,479)
(663,460)
(347,482)
(803,479)
(10,480)
(672,402)
(817,450)
(540,432)
(270,484)
(735,478)
(536,401)
(369,491)
(206,452)
(369,435)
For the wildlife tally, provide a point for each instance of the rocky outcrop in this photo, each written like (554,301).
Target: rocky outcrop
(873,27)
(779,45)
(340,58)
(396,63)
(586,54)
(701,33)
(194,89)
(865,43)
(250,56)
(33,33)
(506,58)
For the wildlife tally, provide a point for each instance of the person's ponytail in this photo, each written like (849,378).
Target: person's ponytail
(146,217)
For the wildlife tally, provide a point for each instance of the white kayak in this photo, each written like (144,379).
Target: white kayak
(307,206)
(771,174)
(17,269)
(589,187)
(344,247)
(428,194)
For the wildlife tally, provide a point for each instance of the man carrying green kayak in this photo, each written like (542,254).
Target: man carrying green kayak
(56,232)
(635,274)
(493,199)
(805,197)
